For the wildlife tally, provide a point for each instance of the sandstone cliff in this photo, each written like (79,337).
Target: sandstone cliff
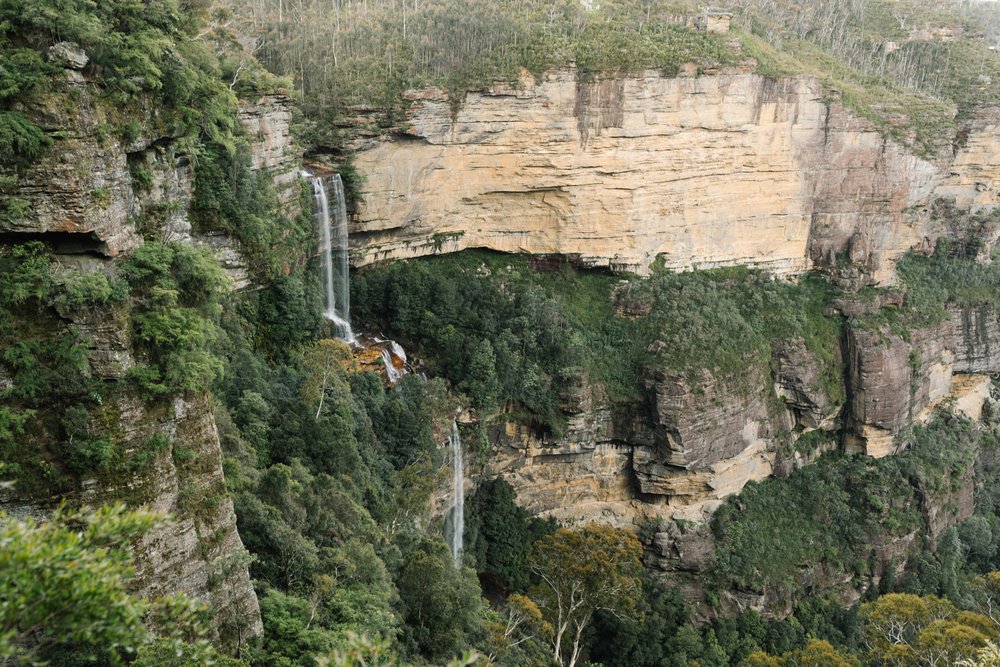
(93,197)
(718,169)
(723,169)
(690,447)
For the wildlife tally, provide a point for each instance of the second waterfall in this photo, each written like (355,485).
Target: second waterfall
(458,489)
(335,271)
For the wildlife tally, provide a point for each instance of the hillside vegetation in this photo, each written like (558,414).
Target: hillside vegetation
(339,480)
(909,65)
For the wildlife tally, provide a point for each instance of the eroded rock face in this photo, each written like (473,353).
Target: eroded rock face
(975,339)
(82,185)
(798,381)
(267,121)
(198,552)
(894,383)
(708,171)
(693,444)
(862,190)
(678,456)
(94,194)
(582,475)
(615,171)
(195,548)
(709,440)
(972,178)
(891,381)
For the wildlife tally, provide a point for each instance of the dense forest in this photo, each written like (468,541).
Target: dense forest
(338,479)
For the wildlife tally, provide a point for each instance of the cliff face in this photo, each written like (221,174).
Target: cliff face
(724,169)
(692,443)
(93,197)
(708,171)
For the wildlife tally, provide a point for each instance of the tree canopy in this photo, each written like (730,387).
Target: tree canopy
(583,571)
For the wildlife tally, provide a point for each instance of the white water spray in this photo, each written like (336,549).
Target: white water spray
(458,510)
(398,350)
(335,271)
(392,374)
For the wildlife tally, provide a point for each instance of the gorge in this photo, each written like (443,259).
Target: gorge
(697,303)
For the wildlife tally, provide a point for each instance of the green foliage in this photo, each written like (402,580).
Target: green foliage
(176,289)
(816,653)
(24,274)
(287,313)
(19,137)
(835,511)
(86,290)
(499,534)
(46,430)
(725,321)
(498,347)
(331,475)
(290,638)
(136,50)
(229,195)
(625,43)
(441,603)
(361,651)
(911,91)
(372,53)
(650,638)
(524,340)
(948,277)
(64,596)
(910,630)
(581,572)
(401,420)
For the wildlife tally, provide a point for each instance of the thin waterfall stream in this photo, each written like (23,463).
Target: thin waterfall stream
(458,509)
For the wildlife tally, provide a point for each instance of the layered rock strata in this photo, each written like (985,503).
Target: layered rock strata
(894,382)
(696,441)
(93,196)
(723,169)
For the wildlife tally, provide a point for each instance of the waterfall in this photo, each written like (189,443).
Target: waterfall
(389,354)
(392,374)
(398,350)
(458,510)
(340,255)
(333,253)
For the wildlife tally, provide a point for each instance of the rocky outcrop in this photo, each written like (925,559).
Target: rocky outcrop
(893,382)
(691,444)
(93,196)
(194,549)
(198,551)
(729,168)
(703,171)
(863,190)
(975,339)
(81,190)
(586,472)
(268,122)
(799,382)
(708,440)
(971,181)
(683,552)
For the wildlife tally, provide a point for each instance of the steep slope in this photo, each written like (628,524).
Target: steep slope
(101,257)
